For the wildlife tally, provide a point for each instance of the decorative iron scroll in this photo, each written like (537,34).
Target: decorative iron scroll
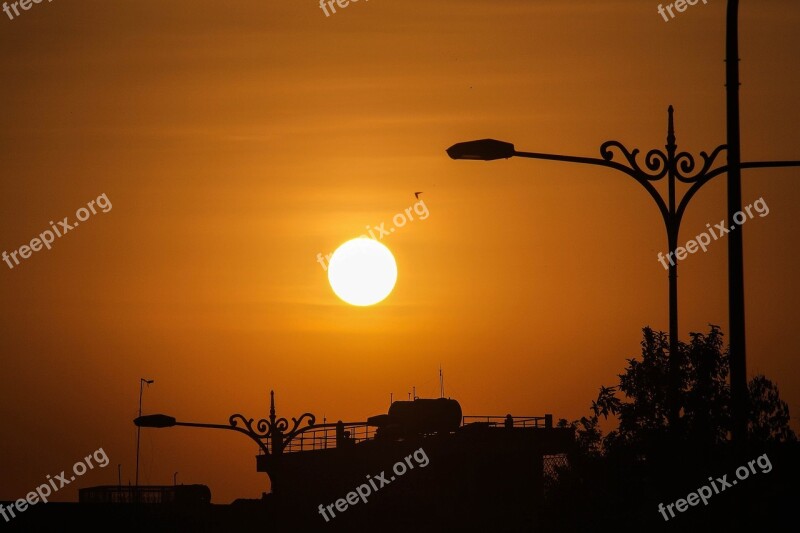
(272,430)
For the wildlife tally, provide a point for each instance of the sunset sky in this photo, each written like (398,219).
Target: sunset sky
(237,140)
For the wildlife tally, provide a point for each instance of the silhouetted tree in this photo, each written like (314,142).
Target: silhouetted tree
(769,415)
(704,398)
(705,395)
(620,477)
(588,436)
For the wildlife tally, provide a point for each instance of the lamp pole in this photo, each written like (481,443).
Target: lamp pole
(738,347)
(142,382)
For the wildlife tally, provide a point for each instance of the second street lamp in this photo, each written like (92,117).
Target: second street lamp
(272,434)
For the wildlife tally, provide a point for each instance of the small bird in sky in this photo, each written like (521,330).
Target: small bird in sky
(416,194)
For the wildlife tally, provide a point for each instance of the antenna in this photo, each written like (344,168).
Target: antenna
(415,392)
(441,382)
(391,398)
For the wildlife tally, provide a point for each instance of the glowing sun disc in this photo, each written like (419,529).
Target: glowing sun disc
(362,272)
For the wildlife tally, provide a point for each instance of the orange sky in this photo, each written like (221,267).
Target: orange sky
(237,140)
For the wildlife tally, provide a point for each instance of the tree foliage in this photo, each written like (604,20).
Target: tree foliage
(703,396)
(769,415)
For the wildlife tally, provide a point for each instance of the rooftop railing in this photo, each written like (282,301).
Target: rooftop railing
(543,422)
(330,436)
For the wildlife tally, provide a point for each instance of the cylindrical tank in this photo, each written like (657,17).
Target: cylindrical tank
(426,415)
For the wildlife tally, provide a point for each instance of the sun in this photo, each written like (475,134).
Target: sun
(362,272)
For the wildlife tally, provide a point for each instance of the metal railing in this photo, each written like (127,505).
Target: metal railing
(324,436)
(542,422)
(330,436)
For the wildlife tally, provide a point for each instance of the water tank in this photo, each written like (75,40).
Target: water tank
(426,415)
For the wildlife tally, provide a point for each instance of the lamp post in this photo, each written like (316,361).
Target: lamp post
(738,347)
(670,164)
(142,382)
(272,435)
(675,166)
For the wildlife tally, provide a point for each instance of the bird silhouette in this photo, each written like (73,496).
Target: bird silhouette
(416,194)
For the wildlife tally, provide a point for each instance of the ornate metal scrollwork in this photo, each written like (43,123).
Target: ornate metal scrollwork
(684,164)
(296,423)
(659,164)
(656,161)
(272,430)
(262,430)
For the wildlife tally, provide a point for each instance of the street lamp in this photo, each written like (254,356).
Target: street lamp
(142,382)
(673,165)
(489,149)
(272,435)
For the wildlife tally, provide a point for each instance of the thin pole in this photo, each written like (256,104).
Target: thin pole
(673,225)
(738,357)
(142,381)
(139,431)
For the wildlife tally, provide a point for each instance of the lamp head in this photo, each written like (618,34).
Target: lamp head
(154,421)
(482,150)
